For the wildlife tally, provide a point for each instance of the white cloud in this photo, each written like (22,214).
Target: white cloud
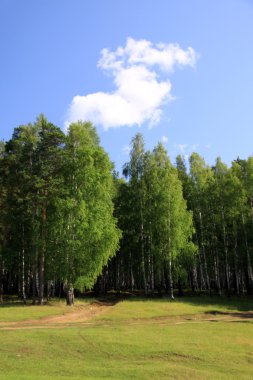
(194,147)
(126,149)
(186,149)
(181,147)
(164,139)
(140,92)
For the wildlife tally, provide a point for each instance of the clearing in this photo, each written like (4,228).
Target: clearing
(194,338)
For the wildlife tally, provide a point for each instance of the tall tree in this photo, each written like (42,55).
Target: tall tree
(134,171)
(49,186)
(200,175)
(2,216)
(87,226)
(172,222)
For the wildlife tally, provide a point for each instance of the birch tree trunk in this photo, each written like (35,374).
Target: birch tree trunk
(23,265)
(42,257)
(171,291)
(249,267)
(203,251)
(69,291)
(1,279)
(216,272)
(227,270)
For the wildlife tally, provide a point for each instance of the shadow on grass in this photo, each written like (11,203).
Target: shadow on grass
(246,315)
(236,303)
(14,301)
(12,304)
(243,303)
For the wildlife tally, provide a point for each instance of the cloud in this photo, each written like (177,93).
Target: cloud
(164,139)
(185,150)
(140,72)
(181,147)
(126,149)
(194,147)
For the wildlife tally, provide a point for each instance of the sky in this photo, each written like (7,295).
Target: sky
(179,72)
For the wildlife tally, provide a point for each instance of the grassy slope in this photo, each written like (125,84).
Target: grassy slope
(136,340)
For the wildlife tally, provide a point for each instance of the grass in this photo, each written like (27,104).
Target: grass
(147,308)
(17,311)
(136,339)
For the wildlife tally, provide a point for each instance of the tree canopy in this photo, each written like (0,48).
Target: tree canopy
(69,223)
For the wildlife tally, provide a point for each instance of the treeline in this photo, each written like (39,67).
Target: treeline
(189,227)
(69,222)
(156,226)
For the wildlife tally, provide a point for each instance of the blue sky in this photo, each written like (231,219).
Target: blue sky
(198,99)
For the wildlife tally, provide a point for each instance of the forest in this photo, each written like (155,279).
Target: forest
(69,223)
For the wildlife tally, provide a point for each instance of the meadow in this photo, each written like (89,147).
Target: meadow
(189,338)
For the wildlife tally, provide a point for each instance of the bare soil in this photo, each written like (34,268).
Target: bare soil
(82,315)
(77,315)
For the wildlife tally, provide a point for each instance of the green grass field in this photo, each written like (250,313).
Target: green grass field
(190,338)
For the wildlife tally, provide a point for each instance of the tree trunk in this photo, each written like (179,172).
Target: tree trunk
(69,295)
(1,280)
(143,259)
(216,271)
(227,274)
(41,278)
(23,264)
(202,283)
(152,276)
(237,287)
(171,292)
(131,272)
(203,251)
(34,255)
(34,275)
(42,258)
(194,275)
(117,273)
(199,267)
(216,260)
(249,267)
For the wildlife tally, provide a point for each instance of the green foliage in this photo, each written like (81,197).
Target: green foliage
(63,209)
(87,228)
(152,213)
(59,221)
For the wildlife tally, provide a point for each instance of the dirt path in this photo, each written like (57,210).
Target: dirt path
(79,315)
(84,315)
